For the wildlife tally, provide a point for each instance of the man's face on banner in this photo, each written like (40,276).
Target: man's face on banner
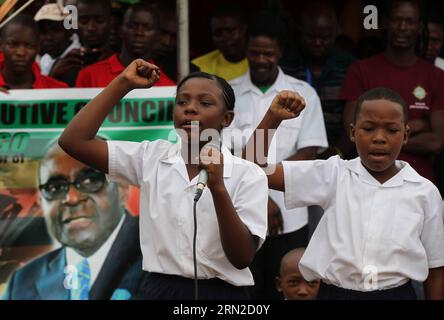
(81,208)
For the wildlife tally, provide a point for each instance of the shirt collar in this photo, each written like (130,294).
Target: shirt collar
(246,84)
(406,173)
(173,157)
(96,260)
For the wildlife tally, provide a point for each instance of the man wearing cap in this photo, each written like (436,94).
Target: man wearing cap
(56,41)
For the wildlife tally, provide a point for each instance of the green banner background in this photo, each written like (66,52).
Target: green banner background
(30,120)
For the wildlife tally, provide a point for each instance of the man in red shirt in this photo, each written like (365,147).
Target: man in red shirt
(140,25)
(19,46)
(419,83)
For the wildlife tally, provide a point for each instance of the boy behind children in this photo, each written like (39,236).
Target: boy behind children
(291,283)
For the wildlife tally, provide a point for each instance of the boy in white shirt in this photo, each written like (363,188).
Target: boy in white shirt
(383,222)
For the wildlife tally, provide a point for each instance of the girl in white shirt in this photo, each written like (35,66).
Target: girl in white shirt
(383,222)
(231,214)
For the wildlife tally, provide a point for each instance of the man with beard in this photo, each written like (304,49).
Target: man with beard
(100,256)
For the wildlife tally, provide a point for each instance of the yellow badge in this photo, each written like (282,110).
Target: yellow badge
(419,93)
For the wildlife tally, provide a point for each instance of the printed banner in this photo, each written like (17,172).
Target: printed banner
(30,122)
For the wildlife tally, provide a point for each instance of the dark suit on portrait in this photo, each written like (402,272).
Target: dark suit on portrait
(43,278)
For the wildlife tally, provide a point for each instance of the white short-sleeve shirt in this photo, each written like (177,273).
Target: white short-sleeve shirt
(372,236)
(166,208)
(308,130)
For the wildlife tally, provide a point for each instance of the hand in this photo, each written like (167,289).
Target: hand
(418,126)
(73,60)
(275,221)
(330,152)
(140,74)
(212,161)
(287,105)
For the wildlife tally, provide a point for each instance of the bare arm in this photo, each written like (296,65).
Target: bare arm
(434,285)
(275,221)
(79,137)
(286,105)
(431,141)
(308,153)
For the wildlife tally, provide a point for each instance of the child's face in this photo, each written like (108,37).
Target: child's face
(294,287)
(20,47)
(200,99)
(379,134)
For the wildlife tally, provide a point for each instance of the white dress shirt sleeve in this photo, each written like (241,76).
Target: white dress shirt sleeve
(432,236)
(310,182)
(125,160)
(251,203)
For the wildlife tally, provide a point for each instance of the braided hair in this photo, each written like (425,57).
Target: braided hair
(227,90)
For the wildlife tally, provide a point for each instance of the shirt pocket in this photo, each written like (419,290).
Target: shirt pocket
(406,230)
(286,138)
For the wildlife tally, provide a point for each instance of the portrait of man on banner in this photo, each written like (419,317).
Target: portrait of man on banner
(99,257)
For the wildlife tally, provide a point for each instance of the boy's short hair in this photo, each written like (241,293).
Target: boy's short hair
(381,94)
(23,20)
(286,259)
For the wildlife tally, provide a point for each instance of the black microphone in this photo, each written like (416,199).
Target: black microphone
(203,174)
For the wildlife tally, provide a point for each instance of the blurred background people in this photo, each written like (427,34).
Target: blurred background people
(228,28)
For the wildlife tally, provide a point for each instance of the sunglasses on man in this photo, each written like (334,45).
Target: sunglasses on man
(87,181)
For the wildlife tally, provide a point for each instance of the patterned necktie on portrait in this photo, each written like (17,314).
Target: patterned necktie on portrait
(83,281)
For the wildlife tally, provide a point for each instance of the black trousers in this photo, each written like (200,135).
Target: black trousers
(157,286)
(266,263)
(330,292)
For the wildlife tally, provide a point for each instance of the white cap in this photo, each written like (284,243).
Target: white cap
(50,11)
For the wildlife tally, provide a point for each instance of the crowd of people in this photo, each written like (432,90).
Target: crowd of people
(255,59)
